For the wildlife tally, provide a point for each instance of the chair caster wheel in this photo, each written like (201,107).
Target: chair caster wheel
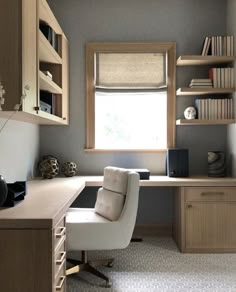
(110,265)
(108,284)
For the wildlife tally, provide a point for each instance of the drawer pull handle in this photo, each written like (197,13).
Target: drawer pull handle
(63,229)
(62,279)
(63,254)
(190,206)
(212,193)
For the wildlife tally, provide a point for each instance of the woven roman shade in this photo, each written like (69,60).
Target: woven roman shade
(130,70)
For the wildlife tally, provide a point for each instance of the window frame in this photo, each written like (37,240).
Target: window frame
(160,47)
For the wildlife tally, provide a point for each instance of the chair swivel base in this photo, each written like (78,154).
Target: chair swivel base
(89,266)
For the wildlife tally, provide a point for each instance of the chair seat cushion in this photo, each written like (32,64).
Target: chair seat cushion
(84,215)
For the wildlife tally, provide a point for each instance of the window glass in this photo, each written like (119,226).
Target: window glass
(133,120)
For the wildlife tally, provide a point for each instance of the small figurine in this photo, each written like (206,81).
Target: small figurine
(190,113)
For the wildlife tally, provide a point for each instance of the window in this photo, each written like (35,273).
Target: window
(130,96)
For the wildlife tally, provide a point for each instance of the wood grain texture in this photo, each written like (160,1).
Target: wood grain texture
(26,260)
(29,55)
(210,225)
(44,205)
(194,60)
(205,219)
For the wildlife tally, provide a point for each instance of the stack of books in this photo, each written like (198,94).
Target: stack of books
(218,46)
(215,108)
(195,83)
(222,77)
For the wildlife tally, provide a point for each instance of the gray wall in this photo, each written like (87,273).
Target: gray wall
(19,150)
(231,29)
(186,22)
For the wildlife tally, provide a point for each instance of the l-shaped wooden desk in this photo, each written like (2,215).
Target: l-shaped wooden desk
(33,233)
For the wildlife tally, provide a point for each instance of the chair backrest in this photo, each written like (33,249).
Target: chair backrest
(112,196)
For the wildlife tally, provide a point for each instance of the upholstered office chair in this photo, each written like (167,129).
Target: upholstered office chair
(109,225)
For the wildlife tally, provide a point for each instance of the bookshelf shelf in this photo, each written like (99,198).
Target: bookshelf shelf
(203,91)
(47,84)
(184,122)
(46,15)
(46,51)
(195,60)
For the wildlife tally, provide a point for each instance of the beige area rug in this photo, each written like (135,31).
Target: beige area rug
(157,265)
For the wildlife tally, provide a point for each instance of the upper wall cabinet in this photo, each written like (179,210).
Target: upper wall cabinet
(33,61)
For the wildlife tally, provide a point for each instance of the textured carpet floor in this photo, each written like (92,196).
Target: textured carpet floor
(157,265)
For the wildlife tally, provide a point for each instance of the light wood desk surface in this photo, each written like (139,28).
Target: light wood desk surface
(47,199)
(165,181)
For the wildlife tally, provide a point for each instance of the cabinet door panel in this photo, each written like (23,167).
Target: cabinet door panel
(211,225)
(29,53)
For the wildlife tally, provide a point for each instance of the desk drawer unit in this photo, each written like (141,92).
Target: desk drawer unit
(59,238)
(59,231)
(205,219)
(210,194)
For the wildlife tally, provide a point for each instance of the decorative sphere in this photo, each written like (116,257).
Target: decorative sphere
(49,168)
(190,113)
(69,168)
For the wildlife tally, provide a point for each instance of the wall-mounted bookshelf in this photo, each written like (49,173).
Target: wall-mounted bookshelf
(198,60)
(195,122)
(198,91)
(203,91)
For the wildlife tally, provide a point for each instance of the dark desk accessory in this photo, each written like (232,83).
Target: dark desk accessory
(143,173)
(3,190)
(177,162)
(16,192)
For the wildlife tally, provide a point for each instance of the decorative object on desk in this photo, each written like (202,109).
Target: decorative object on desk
(3,190)
(143,173)
(190,113)
(49,167)
(216,164)
(69,168)
(2,92)
(16,193)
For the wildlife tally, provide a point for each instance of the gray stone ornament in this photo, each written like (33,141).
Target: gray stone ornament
(69,168)
(49,168)
(190,113)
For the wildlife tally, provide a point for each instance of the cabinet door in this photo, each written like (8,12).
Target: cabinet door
(29,55)
(10,51)
(26,260)
(210,225)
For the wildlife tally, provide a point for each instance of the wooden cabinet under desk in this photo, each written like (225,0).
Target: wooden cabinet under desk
(204,219)
(33,234)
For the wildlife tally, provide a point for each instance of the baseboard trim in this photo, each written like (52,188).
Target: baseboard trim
(152,230)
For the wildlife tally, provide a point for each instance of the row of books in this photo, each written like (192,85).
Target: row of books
(50,34)
(222,77)
(218,46)
(206,83)
(215,108)
(48,102)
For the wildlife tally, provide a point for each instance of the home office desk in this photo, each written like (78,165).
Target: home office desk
(33,233)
